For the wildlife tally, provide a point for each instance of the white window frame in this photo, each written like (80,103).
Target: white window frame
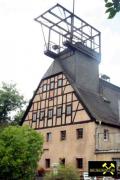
(61,83)
(68,109)
(50,113)
(34,117)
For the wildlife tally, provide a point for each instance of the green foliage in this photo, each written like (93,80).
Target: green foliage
(10,101)
(113,7)
(64,173)
(17,118)
(20,150)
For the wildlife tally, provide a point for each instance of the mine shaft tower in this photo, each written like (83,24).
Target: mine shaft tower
(63,30)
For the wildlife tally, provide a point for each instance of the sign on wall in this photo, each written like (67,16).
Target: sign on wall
(102,168)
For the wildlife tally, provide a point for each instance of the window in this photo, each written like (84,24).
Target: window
(63,135)
(42,115)
(38,114)
(52,85)
(48,136)
(79,133)
(79,163)
(68,109)
(59,111)
(62,161)
(51,94)
(50,113)
(47,163)
(44,87)
(34,117)
(106,134)
(59,83)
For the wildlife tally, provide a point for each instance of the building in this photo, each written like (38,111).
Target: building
(77,112)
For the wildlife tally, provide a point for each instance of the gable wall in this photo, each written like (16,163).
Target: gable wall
(53,99)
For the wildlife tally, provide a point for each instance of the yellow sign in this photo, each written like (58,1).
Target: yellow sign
(110,169)
(102,168)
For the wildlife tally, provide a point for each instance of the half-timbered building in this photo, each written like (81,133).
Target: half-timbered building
(77,112)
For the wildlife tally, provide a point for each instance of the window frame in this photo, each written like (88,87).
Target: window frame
(106,134)
(57,114)
(44,90)
(48,136)
(79,163)
(42,118)
(68,113)
(34,113)
(51,88)
(47,163)
(63,137)
(61,80)
(62,161)
(79,133)
(50,117)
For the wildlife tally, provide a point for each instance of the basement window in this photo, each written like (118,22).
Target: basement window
(79,163)
(79,133)
(106,135)
(34,117)
(62,135)
(47,163)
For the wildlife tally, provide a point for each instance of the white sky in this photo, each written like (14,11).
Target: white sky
(21,43)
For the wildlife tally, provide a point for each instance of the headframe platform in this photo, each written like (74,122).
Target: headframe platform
(63,29)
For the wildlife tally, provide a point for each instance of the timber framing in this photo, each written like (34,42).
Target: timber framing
(50,100)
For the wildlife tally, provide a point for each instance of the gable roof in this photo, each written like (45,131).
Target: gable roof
(96,106)
(99,108)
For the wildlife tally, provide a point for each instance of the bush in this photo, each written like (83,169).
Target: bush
(20,150)
(64,173)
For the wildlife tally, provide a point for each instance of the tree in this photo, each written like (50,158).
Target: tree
(20,150)
(10,101)
(113,7)
(63,173)
(18,117)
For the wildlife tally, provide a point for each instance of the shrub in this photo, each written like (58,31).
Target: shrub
(64,173)
(20,150)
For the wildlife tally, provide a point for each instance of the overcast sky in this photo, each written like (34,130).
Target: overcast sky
(21,42)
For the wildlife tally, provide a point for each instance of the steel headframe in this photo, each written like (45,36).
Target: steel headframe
(63,25)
